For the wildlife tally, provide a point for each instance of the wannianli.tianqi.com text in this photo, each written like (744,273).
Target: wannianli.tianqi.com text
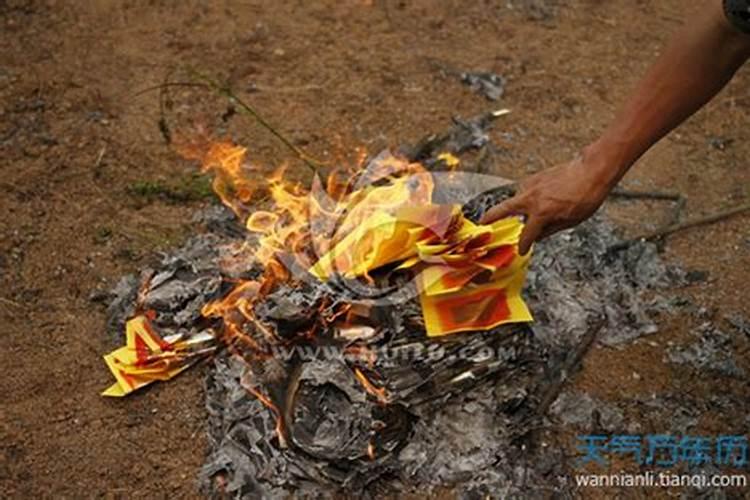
(661,480)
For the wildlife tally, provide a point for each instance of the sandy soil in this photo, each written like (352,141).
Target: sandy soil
(78,146)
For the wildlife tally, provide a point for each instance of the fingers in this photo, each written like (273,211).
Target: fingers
(532,231)
(517,205)
(507,208)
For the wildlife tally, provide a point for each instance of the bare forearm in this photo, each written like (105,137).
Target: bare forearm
(698,62)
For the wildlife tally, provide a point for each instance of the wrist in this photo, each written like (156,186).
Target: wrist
(607,160)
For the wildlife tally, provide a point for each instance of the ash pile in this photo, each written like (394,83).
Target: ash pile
(457,412)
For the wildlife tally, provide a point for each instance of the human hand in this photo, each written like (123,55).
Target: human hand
(556,199)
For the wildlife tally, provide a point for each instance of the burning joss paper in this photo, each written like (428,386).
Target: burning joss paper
(147,357)
(469,276)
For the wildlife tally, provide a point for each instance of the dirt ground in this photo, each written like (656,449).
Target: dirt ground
(81,152)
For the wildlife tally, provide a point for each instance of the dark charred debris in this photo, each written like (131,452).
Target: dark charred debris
(490,85)
(485,83)
(479,412)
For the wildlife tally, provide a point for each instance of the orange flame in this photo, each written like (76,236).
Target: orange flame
(379,392)
(289,220)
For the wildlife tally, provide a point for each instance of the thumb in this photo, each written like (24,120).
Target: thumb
(507,208)
(531,232)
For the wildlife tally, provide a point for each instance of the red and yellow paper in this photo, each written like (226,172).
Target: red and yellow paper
(469,276)
(146,357)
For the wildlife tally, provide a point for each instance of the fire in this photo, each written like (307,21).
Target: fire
(226,161)
(294,225)
(357,220)
(379,392)
(252,388)
(307,222)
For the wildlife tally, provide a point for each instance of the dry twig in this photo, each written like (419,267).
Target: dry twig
(644,195)
(209,84)
(671,229)
(308,160)
(572,362)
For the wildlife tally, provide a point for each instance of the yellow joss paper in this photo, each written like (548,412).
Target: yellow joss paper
(449,159)
(382,238)
(477,306)
(146,357)
(469,276)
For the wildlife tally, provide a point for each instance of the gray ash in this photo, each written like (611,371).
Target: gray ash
(455,412)
(458,407)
